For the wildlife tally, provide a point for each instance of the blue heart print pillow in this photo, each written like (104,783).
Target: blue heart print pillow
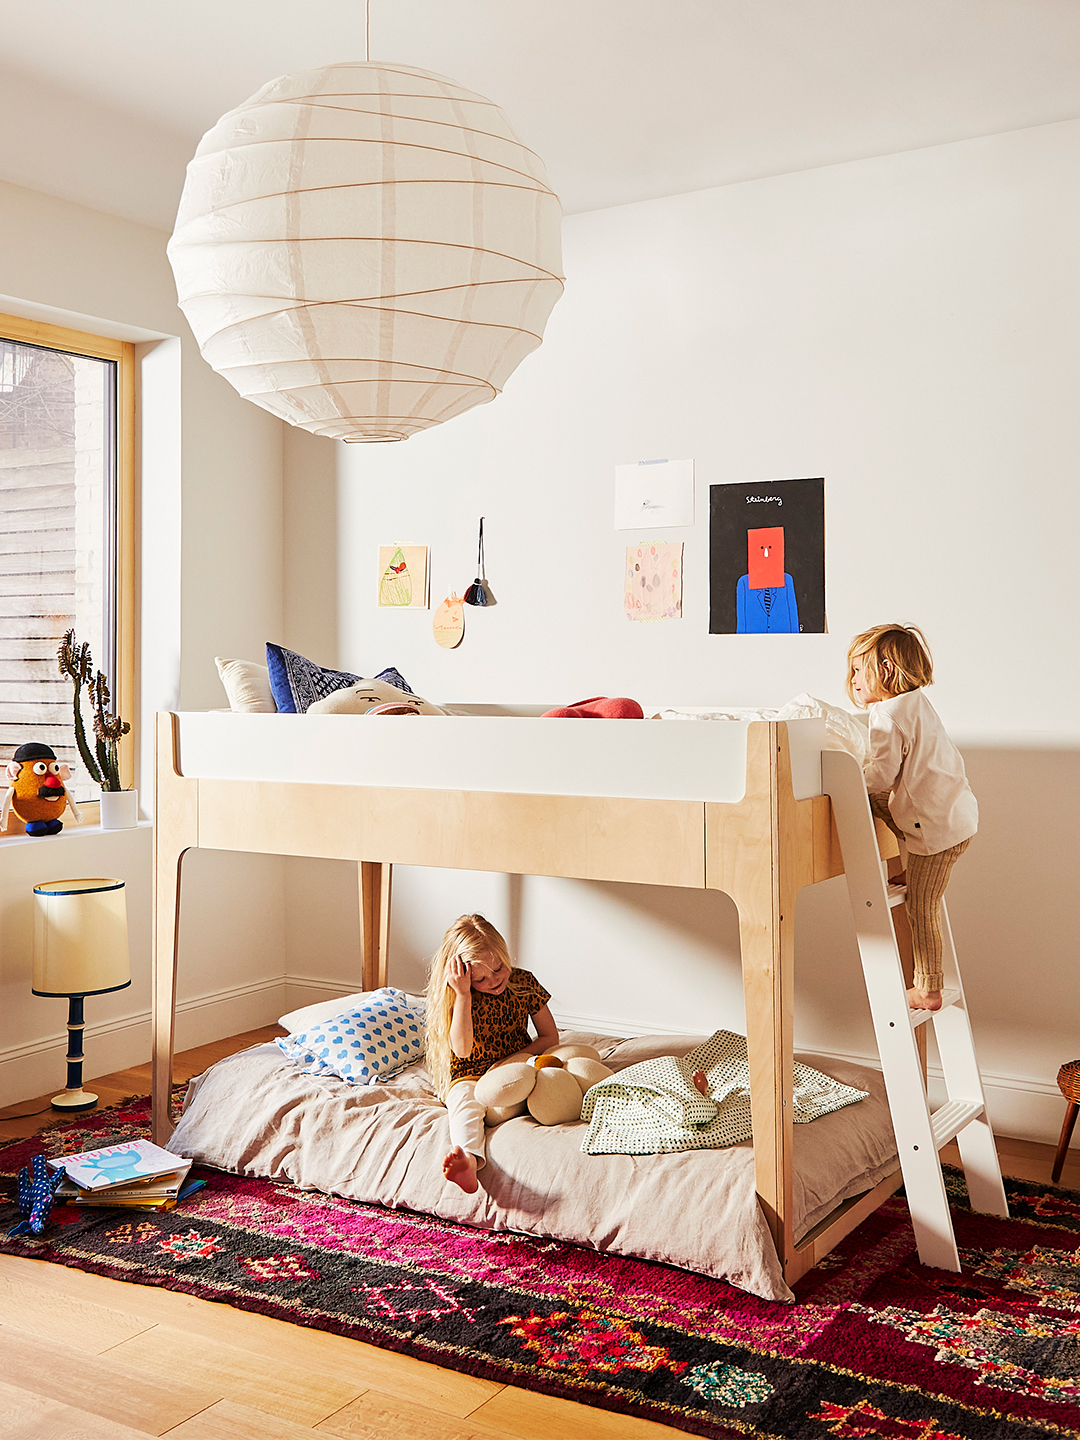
(371,1042)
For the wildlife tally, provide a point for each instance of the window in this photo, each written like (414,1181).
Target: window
(66,531)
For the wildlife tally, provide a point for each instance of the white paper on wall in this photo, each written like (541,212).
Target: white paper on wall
(654,494)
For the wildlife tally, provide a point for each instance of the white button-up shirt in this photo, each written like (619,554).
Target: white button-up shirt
(911,756)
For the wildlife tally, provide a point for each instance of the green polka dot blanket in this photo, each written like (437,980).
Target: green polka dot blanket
(653,1108)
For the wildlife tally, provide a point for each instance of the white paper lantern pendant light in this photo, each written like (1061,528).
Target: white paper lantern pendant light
(366,250)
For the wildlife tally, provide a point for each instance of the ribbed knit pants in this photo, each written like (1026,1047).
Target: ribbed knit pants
(927,877)
(467,1120)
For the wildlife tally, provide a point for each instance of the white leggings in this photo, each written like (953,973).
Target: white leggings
(467,1120)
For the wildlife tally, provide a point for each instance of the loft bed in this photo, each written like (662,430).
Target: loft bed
(726,805)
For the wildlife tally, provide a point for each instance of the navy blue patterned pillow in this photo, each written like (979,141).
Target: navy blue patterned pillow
(297,682)
(394,677)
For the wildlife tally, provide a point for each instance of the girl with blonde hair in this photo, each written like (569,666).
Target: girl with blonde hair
(915,776)
(478,1011)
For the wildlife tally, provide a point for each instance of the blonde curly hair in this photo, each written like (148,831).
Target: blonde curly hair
(474,939)
(896,659)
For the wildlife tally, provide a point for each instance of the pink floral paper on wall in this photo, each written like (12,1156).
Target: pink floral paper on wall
(653,589)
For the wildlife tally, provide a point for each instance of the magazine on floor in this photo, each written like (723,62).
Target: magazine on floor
(115,1166)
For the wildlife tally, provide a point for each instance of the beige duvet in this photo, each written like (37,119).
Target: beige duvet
(256,1114)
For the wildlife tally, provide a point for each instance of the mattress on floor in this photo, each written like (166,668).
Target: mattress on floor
(255,1114)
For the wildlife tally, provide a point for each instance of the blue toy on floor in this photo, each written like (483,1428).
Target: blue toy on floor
(37,1186)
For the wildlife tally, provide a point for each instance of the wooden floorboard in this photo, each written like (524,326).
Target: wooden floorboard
(382,1417)
(528,1415)
(69,1318)
(229,1421)
(25,1416)
(231,1372)
(247,1376)
(102,1386)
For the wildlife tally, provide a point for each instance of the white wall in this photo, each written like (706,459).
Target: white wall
(210,579)
(904,326)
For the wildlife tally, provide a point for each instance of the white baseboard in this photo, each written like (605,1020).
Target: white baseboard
(309,990)
(1019,1105)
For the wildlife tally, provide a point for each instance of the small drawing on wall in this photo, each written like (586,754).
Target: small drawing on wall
(767,558)
(654,493)
(403,577)
(448,626)
(653,585)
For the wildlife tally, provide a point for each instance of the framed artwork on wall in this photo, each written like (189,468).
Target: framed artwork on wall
(767,558)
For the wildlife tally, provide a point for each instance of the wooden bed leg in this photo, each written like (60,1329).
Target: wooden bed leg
(176,829)
(769,1051)
(766,902)
(375,880)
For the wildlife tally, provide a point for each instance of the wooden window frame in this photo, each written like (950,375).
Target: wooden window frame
(122,352)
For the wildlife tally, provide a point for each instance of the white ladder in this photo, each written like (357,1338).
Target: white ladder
(919,1134)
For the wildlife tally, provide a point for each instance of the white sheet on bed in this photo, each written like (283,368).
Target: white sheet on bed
(256,1114)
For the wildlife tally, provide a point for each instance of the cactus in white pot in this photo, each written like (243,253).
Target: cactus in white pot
(102,762)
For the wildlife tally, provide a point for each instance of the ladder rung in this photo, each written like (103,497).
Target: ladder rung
(920,1017)
(897,895)
(951,1119)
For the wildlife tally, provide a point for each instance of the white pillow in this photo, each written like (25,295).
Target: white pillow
(309,1015)
(247,685)
(369,695)
(370,1042)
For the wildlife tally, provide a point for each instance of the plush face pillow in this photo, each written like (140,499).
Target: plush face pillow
(371,1042)
(372,695)
(297,682)
(247,685)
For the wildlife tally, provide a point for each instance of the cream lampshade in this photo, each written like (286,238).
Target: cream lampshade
(366,250)
(80,949)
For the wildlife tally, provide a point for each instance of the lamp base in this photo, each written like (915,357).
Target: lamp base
(72,1100)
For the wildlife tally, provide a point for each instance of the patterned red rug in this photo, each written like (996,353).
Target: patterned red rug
(876,1345)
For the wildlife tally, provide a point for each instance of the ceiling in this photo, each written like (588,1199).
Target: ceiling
(625,99)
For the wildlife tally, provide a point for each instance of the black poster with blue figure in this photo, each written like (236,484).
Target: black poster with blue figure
(767,558)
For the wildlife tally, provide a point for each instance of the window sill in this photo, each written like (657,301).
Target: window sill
(69,832)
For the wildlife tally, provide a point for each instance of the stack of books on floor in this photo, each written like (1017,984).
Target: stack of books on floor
(132,1175)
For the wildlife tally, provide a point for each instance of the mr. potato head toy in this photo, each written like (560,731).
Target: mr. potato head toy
(37,790)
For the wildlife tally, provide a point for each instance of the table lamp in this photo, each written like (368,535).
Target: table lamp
(80,949)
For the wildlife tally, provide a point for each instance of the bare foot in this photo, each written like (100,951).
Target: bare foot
(700,1083)
(459,1168)
(923,999)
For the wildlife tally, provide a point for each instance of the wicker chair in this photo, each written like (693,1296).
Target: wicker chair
(1069,1083)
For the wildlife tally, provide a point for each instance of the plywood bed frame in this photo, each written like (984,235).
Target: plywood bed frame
(760,850)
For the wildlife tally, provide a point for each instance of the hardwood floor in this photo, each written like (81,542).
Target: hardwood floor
(83,1356)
